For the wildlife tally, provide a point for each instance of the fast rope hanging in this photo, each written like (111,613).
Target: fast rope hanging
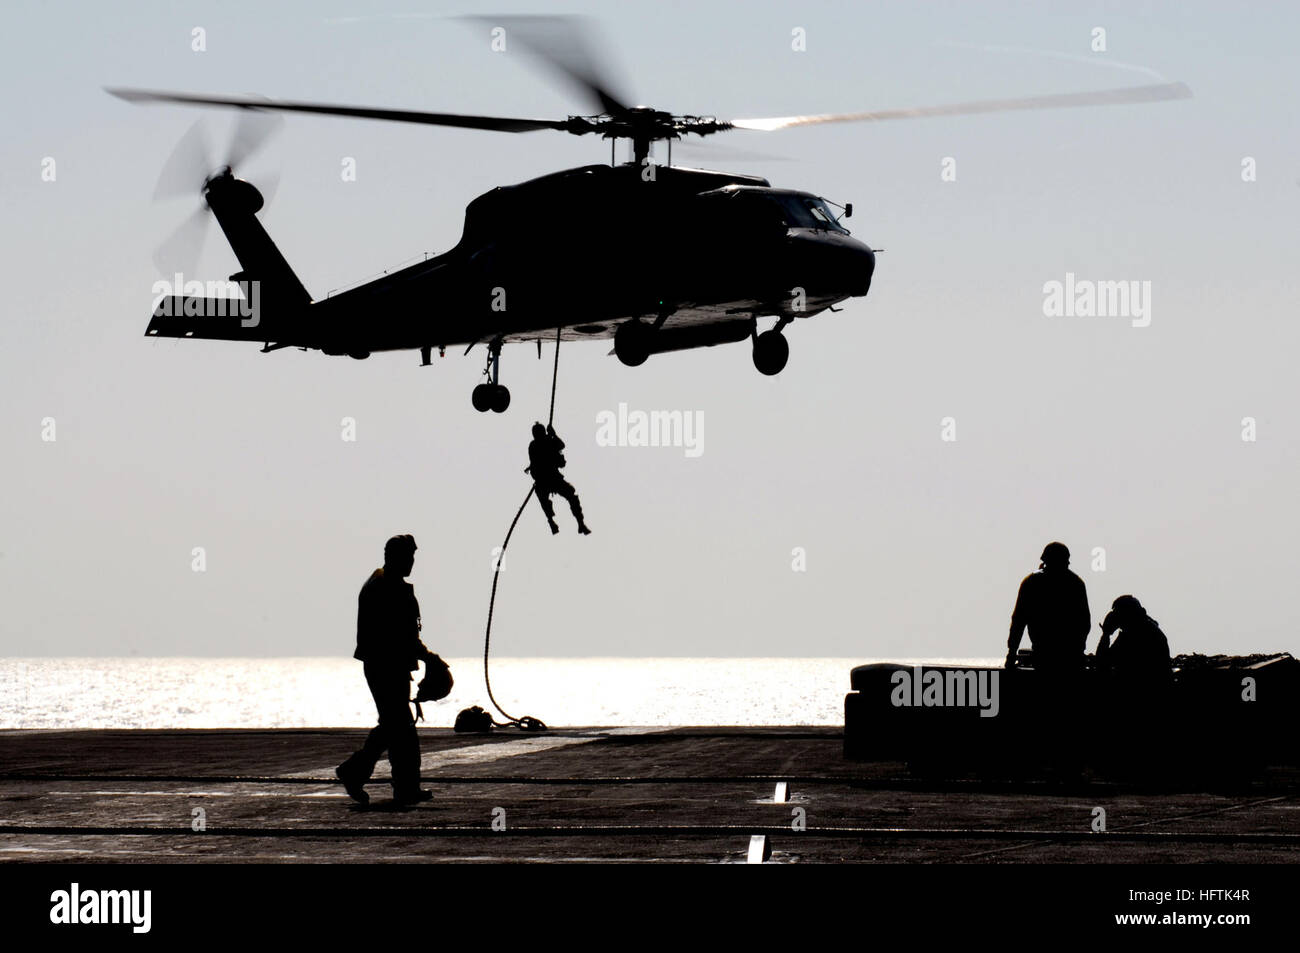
(527,722)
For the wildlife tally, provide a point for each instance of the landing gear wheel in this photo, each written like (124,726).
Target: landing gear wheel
(632,343)
(493,397)
(491,394)
(771,351)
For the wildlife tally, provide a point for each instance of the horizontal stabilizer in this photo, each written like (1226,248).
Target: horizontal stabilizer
(213,319)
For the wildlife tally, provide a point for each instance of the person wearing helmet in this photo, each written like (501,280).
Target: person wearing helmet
(1053,605)
(545,458)
(389,648)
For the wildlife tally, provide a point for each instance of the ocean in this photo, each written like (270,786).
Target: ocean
(62,693)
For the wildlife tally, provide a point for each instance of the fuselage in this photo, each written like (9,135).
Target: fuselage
(589,248)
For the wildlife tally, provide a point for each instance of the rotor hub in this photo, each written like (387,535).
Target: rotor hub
(644,125)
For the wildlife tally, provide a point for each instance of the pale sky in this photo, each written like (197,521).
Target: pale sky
(1087,430)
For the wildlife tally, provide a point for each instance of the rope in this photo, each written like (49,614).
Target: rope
(527,723)
(555,376)
(487,637)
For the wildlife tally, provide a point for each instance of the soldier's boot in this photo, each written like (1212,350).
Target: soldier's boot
(576,506)
(353,782)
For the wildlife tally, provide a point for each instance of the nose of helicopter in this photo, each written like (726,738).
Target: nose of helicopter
(841,264)
(860,267)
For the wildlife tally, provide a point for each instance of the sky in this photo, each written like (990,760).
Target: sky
(825,514)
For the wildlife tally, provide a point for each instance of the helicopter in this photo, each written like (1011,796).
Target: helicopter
(701,256)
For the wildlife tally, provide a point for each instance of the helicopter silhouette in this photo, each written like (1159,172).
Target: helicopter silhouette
(701,255)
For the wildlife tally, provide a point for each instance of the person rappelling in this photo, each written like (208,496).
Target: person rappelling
(545,458)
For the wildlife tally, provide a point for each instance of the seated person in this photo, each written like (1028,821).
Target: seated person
(1137,690)
(1140,652)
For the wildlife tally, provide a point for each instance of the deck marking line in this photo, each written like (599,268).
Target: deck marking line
(1155,820)
(489,751)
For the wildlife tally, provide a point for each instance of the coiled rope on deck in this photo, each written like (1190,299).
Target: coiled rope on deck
(527,722)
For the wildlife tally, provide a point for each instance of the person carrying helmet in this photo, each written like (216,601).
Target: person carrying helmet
(1053,605)
(545,458)
(389,646)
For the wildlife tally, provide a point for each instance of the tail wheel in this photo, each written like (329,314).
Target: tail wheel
(771,352)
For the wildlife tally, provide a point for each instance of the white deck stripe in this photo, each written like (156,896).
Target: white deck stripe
(491,751)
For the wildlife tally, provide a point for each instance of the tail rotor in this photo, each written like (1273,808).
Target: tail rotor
(192,166)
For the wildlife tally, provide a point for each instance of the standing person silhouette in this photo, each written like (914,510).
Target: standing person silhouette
(389,647)
(1053,605)
(545,458)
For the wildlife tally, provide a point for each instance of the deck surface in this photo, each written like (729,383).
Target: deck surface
(615,794)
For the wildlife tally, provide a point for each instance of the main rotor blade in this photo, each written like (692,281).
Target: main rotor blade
(563,43)
(493,123)
(1127,94)
(188,165)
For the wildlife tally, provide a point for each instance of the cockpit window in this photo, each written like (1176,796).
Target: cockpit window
(790,211)
(803,212)
(820,213)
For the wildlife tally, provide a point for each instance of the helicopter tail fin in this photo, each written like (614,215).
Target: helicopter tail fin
(234,204)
